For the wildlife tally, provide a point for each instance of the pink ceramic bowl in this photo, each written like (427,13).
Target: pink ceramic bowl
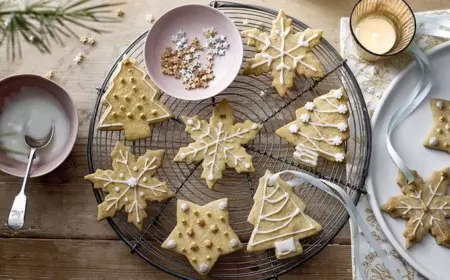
(13,85)
(193,19)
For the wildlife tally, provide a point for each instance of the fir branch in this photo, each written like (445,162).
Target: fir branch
(43,22)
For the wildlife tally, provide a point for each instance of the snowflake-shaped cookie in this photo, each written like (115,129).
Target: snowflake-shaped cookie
(133,103)
(203,233)
(439,136)
(218,143)
(426,206)
(130,184)
(284,53)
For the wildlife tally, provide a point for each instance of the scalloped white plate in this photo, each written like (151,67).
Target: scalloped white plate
(428,258)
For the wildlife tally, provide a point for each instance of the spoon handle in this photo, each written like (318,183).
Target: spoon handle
(17,215)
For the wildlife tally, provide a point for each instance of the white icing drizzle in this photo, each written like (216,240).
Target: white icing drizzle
(223,205)
(132,183)
(267,217)
(418,221)
(282,52)
(220,142)
(285,247)
(309,153)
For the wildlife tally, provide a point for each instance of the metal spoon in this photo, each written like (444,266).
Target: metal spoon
(17,215)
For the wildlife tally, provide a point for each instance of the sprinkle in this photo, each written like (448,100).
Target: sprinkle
(149,18)
(91,41)
(120,12)
(83,39)
(245,22)
(49,74)
(214,228)
(79,58)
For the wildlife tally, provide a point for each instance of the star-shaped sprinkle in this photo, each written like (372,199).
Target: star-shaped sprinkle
(130,184)
(91,41)
(133,103)
(83,39)
(203,233)
(321,129)
(120,12)
(79,58)
(439,136)
(283,53)
(218,143)
(149,18)
(49,74)
(425,205)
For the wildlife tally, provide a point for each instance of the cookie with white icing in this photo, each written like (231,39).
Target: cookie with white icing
(130,184)
(425,205)
(283,53)
(133,103)
(320,130)
(439,136)
(218,143)
(279,219)
(203,233)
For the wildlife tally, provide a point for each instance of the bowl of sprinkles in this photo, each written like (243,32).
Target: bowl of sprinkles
(193,52)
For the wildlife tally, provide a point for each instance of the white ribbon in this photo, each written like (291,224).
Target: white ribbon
(430,26)
(357,221)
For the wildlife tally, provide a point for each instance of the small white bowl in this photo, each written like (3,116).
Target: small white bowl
(193,19)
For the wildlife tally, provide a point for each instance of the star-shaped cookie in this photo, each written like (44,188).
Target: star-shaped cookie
(130,184)
(321,129)
(439,136)
(218,143)
(426,206)
(203,233)
(133,103)
(284,53)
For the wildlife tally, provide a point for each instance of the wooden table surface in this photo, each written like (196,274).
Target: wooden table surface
(61,238)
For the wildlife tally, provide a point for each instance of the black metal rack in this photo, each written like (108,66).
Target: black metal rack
(268,151)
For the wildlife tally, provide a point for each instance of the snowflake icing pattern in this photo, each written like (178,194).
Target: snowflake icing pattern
(130,184)
(283,52)
(218,142)
(426,206)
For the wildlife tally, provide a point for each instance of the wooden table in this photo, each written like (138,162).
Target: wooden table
(61,238)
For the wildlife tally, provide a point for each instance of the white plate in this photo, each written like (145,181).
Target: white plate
(428,258)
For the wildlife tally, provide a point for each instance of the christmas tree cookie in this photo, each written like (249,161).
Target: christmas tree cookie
(279,219)
(218,143)
(439,137)
(133,103)
(130,184)
(284,53)
(425,205)
(321,129)
(203,233)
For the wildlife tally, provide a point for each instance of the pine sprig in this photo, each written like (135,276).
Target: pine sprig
(43,22)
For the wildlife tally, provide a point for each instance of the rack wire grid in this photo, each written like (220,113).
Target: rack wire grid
(268,150)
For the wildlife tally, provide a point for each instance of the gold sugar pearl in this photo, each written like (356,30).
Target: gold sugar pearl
(139,106)
(208,243)
(129,115)
(194,259)
(127,98)
(114,114)
(193,246)
(122,80)
(154,112)
(143,97)
(183,249)
(142,115)
(196,212)
(184,221)
(115,96)
(442,119)
(122,107)
(130,71)
(219,248)
(208,257)
(179,234)
(222,218)
(447,126)
(225,233)
(201,222)
(446,145)
(439,130)
(134,88)
(214,228)
(190,231)
(132,79)
(208,213)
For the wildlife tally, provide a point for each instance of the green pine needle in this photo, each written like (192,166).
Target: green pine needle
(42,22)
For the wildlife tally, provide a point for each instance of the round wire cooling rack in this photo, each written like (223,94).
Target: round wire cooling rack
(252,98)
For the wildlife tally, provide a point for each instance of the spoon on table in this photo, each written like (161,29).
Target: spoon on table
(17,215)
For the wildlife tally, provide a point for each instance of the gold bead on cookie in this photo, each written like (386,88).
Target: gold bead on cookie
(190,231)
(142,115)
(129,115)
(208,243)
(201,222)
(214,228)
(193,246)
(154,112)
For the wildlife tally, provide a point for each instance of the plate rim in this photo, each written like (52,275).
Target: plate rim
(374,204)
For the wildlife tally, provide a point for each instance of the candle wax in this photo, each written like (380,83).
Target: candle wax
(376,34)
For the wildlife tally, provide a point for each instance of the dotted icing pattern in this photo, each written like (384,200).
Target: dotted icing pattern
(203,234)
(218,143)
(130,184)
(439,136)
(133,103)
(320,130)
(425,206)
(284,53)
